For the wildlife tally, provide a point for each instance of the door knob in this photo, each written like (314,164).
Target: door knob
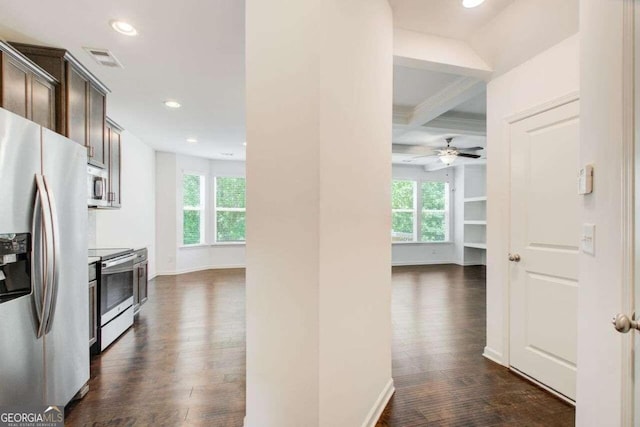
(623,324)
(514,257)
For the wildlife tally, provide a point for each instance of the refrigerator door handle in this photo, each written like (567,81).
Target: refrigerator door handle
(41,274)
(55,259)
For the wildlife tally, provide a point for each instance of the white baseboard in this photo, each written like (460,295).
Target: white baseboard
(193,270)
(374,414)
(494,356)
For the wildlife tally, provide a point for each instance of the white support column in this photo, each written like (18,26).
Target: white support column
(319,97)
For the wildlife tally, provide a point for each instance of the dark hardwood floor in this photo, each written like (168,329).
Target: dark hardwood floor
(441,378)
(183,363)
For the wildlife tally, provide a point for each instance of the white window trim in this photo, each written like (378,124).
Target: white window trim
(216,209)
(201,208)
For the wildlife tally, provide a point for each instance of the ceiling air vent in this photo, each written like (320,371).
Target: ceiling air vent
(104,57)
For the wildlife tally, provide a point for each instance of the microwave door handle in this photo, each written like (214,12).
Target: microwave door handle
(55,259)
(98,188)
(45,231)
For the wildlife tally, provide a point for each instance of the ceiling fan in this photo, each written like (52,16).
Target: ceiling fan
(446,154)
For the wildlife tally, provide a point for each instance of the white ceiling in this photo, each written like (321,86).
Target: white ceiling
(194,52)
(445,18)
(411,86)
(474,107)
(189,51)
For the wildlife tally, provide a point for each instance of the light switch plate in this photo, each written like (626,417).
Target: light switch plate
(588,239)
(585,180)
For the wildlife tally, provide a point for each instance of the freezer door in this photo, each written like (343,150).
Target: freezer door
(66,348)
(21,353)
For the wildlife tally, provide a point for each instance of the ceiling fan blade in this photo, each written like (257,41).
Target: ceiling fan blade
(471,148)
(418,150)
(471,156)
(426,155)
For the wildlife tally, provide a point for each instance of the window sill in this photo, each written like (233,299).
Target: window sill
(207,245)
(422,243)
(198,245)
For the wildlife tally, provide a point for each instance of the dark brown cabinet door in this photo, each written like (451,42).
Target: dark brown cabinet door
(76,106)
(15,85)
(93,313)
(115,151)
(42,103)
(96,122)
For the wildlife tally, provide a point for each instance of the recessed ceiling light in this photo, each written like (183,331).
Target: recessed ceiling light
(471,3)
(124,28)
(192,140)
(172,104)
(244,143)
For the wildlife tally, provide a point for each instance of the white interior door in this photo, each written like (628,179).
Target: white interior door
(545,234)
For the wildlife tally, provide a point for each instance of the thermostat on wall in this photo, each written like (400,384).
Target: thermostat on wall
(585,180)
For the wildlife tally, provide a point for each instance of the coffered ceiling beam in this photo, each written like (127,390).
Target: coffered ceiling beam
(449,97)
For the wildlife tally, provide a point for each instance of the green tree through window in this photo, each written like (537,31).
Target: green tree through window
(433,198)
(403,211)
(193,209)
(230,211)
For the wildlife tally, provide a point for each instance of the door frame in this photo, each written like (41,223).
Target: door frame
(630,61)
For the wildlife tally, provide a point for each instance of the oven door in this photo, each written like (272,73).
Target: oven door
(116,287)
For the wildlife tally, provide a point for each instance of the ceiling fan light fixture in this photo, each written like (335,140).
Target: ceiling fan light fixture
(448,158)
(471,3)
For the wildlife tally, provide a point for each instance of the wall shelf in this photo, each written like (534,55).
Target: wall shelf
(471,217)
(476,245)
(475,199)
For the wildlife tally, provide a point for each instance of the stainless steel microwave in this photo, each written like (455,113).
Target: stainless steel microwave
(97,187)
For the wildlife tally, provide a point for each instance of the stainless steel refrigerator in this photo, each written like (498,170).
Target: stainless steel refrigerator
(44,304)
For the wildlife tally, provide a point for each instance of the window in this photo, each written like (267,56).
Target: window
(193,202)
(434,217)
(431,222)
(403,208)
(230,209)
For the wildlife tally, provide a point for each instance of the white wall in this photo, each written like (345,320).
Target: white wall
(427,253)
(548,76)
(133,225)
(173,256)
(319,98)
(524,29)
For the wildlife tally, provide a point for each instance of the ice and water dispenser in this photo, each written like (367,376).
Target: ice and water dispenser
(15,266)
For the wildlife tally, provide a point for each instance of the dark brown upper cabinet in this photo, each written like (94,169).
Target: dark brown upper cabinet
(25,89)
(114,134)
(80,103)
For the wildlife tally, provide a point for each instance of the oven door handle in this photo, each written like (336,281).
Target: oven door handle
(118,261)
